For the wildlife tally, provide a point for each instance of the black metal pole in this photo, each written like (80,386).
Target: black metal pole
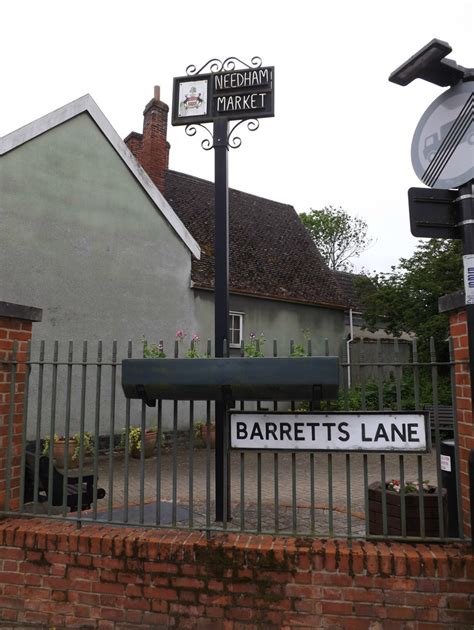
(221,299)
(465,202)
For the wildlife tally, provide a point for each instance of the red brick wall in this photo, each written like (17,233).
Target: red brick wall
(98,577)
(458,330)
(11,330)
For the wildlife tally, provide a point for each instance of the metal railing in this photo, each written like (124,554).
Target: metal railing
(304,493)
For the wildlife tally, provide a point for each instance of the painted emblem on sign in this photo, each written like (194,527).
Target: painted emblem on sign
(193,98)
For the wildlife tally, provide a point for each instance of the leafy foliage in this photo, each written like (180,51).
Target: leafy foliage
(407,298)
(337,235)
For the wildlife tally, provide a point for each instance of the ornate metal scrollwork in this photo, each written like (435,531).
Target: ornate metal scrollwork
(236,141)
(228,65)
(191,130)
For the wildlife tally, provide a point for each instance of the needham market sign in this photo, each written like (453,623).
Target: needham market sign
(368,431)
(237,94)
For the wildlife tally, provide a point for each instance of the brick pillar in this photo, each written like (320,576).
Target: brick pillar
(16,324)
(454,304)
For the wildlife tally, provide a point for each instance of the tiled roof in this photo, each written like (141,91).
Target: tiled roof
(346,281)
(271,253)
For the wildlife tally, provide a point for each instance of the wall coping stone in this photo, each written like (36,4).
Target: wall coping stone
(19,311)
(452,302)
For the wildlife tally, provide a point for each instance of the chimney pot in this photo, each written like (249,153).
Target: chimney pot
(157,93)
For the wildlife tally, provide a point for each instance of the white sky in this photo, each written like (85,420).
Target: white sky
(341,134)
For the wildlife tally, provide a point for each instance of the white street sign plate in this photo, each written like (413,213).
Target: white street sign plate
(442,150)
(339,431)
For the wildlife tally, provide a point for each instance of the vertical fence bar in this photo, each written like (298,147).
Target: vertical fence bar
(259,492)
(312,512)
(11,416)
(434,381)
(348,495)
(113,384)
(159,421)
(67,424)
(452,373)
(52,425)
(174,451)
(24,431)
(384,495)
(402,496)
(81,430)
(208,467)
(242,490)
(365,467)
(39,412)
(141,503)
(98,387)
(421,498)
(276,489)
(293,492)
(126,466)
(330,496)
(191,464)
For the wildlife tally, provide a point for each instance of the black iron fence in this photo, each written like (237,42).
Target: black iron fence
(89,454)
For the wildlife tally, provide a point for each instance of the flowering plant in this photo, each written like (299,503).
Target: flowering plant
(254,348)
(410,486)
(153,351)
(193,351)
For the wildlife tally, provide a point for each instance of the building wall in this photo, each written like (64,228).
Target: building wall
(81,238)
(282,321)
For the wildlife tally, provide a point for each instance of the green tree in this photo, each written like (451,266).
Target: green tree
(406,299)
(337,235)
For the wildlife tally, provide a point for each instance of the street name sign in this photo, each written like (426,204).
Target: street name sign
(233,95)
(394,431)
(442,150)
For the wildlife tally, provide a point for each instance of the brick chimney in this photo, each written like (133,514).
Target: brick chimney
(151,147)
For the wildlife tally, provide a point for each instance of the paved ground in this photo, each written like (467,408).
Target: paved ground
(319,493)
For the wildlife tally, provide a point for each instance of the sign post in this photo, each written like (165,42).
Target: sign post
(225,93)
(442,155)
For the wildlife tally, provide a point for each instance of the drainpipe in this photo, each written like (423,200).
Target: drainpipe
(351,338)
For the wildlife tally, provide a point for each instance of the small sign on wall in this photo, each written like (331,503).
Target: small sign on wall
(338,431)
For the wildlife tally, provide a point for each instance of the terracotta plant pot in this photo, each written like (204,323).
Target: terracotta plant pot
(208,433)
(149,445)
(59,451)
(412,512)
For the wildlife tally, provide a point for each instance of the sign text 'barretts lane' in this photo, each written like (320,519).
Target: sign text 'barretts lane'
(333,431)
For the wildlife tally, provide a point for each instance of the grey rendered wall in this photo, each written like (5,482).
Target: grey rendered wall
(282,321)
(82,240)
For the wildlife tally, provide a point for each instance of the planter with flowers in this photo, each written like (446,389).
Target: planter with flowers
(72,448)
(412,508)
(135,442)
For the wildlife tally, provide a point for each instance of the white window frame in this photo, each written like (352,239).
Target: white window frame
(240,315)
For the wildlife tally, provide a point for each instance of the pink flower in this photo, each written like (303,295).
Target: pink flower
(196,338)
(180,334)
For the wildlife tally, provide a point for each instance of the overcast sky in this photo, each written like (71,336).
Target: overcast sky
(341,133)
